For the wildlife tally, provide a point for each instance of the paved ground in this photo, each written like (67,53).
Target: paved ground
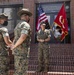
(48,73)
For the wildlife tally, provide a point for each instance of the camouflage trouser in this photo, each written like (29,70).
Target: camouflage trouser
(4,62)
(21,65)
(43,57)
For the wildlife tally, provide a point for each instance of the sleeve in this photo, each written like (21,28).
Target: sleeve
(37,37)
(4,31)
(24,32)
(38,34)
(25,28)
(5,34)
(49,35)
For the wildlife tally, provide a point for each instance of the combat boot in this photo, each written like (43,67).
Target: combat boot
(40,69)
(46,68)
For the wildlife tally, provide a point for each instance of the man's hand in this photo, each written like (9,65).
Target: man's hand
(12,47)
(41,40)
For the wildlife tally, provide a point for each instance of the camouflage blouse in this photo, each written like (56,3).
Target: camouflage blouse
(3,33)
(43,34)
(22,28)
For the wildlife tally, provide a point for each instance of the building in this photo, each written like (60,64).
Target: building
(61,54)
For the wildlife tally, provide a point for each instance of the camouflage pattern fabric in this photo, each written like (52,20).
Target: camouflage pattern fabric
(21,53)
(4,65)
(43,56)
(43,51)
(4,59)
(21,65)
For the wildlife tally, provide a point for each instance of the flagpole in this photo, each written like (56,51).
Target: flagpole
(23,3)
(64,2)
(64,6)
(51,28)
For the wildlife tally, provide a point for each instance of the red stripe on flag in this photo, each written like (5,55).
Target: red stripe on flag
(41,17)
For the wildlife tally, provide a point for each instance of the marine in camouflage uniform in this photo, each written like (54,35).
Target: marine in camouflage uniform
(4,59)
(43,37)
(21,52)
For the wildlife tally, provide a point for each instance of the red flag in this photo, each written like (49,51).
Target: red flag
(61,21)
(41,17)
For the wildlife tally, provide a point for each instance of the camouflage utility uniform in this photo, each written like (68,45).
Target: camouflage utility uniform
(21,53)
(43,50)
(4,60)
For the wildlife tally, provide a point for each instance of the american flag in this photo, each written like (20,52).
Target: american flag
(41,17)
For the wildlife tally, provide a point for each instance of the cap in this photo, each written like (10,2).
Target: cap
(43,23)
(3,15)
(24,11)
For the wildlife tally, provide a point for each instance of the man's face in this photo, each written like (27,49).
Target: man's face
(2,21)
(25,17)
(43,27)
